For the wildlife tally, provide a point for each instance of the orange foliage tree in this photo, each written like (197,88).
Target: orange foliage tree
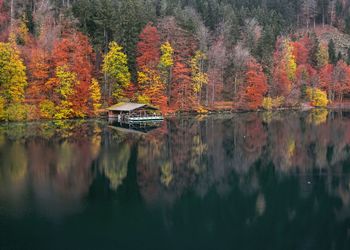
(255,87)
(327,80)
(150,85)
(75,51)
(292,73)
(182,90)
(301,50)
(38,74)
(282,81)
(148,48)
(341,78)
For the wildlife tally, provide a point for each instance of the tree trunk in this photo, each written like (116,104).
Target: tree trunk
(169,85)
(213,94)
(199,97)
(235,86)
(207,95)
(323,14)
(12,15)
(298,22)
(106,87)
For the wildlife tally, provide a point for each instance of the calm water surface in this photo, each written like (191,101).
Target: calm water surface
(249,181)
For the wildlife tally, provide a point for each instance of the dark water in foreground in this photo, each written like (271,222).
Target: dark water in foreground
(249,181)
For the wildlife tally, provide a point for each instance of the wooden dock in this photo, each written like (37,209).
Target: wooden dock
(134,113)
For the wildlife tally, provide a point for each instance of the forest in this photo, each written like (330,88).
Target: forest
(62,59)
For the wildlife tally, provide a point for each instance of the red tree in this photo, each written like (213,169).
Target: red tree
(301,50)
(148,51)
(180,94)
(75,51)
(181,89)
(281,82)
(255,87)
(327,80)
(341,78)
(38,74)
(148,48)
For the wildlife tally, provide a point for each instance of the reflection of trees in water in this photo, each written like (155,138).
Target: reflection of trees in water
(286,173)
(317,116)
(53,159)
(199,154)
(115,155)
(13,162)
(153,167)
(114,163)
(168,163)
(59,161)
(13,172)
(204,154)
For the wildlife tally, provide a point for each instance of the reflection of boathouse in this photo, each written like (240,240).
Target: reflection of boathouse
(134,113)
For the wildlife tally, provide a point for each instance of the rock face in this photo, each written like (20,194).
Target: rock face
(326,33)
(341,40)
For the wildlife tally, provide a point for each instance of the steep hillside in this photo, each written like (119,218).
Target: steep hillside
(326,33)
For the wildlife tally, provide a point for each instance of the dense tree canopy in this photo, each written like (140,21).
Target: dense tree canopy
(175,54)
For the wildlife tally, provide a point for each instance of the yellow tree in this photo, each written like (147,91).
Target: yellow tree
(115,65)
(166,59)
(144,79)
(317,97)
(152,88)
(13,79)
(95,94)
(66,81)
(322,56)
(199,77)
(166,63)
(21,32)
(291,65)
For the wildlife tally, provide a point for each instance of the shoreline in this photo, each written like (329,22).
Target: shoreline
(302,109)
(195,113)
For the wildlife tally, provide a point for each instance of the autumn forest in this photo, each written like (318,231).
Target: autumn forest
(62,59)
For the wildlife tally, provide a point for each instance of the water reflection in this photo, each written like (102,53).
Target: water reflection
(256,170)
(48,164)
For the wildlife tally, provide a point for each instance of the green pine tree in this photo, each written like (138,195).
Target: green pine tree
(332,52)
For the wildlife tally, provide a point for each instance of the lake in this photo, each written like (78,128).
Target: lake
(276,180)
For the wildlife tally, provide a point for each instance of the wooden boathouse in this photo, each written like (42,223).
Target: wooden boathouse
(134,112)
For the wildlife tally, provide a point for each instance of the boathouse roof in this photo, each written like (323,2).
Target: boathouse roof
(129,106)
